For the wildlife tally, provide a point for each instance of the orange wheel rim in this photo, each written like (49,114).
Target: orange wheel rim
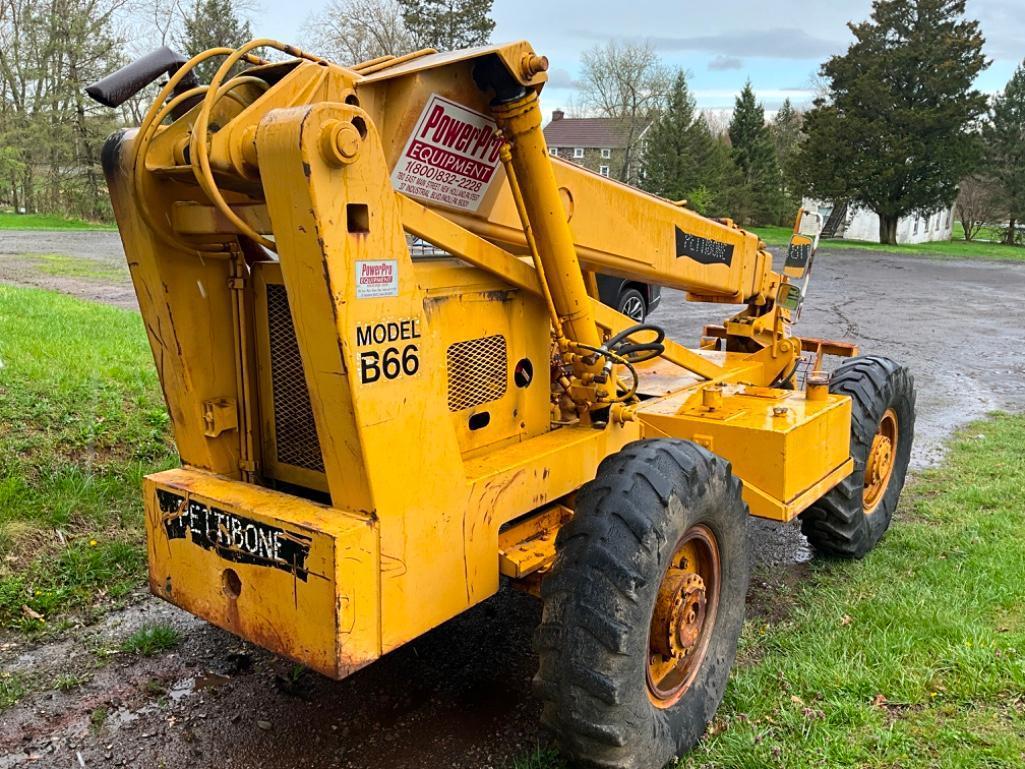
(683,617)
(882,456)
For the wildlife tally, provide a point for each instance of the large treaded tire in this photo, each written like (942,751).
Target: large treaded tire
(838,524)
(598,601)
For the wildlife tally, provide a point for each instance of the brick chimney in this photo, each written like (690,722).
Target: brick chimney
(558,115)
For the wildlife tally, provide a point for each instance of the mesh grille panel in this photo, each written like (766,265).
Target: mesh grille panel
(294,429)
(477,372)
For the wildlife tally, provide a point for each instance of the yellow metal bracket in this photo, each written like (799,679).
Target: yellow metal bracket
(528,545)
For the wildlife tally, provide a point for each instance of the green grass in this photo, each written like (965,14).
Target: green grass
(65,682)
(913,657)
(81,421)
(12,221)
(12,689)
(151,639)
(987,233)
(540,758)
(946,249)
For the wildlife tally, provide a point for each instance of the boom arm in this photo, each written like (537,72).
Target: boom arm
(563,216)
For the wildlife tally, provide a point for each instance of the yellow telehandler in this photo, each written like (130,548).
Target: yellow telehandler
(370,295)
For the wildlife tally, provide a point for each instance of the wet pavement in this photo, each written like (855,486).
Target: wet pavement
(460,695)
(957,325)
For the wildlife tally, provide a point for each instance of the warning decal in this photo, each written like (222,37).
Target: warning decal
(377,278)
(450,157)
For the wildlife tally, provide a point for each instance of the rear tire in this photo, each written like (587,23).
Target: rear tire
(851,518)
(605,601)
(632,304)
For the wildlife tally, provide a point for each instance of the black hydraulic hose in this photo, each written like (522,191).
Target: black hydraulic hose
(638,352)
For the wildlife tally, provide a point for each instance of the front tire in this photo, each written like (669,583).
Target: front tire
(644,605)
(851,518)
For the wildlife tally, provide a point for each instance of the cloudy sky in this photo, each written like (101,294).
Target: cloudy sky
(778,45)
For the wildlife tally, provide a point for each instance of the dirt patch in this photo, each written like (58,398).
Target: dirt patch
(28,270)
(458,696)
(88,265)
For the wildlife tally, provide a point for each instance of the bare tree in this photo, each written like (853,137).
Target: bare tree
(49,51)
(718,121)
(978,202)
(353,31)
(628,82)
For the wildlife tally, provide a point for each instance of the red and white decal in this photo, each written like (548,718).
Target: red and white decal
(377,278)
(451,157)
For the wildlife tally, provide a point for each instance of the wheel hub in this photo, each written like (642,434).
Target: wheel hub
(882,449)
(881,457)
(679,614)
(682,617)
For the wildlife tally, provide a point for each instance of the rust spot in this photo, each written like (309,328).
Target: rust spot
(499,295)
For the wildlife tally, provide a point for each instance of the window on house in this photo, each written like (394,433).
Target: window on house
(917,220)
(606,153)
(553,151)
(578,152)
(603,170)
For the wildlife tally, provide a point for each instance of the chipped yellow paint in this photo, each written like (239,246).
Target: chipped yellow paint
(405,506)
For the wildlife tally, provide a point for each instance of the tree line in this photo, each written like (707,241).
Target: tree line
(51,134)
(900,129)
(899,126)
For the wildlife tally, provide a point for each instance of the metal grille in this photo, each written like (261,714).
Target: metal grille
(295,432)
(478,372)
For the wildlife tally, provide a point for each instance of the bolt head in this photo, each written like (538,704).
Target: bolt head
(347,141)
(340,142)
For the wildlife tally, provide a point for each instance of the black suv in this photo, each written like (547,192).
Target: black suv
(630,297)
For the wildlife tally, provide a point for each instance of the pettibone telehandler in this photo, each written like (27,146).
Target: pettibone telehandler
(370,294)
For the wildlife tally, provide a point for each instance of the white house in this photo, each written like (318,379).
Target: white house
(859,223)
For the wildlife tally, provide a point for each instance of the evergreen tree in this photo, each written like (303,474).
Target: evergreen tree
(448,24)
(1004,137)
(755,156)
(786,139)
(211,24)
(897,132)
(678,150)
(727,194)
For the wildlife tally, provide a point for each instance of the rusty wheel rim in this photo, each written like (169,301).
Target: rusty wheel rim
(882,456)
(683,617)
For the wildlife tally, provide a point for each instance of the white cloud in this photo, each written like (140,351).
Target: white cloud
(722,62)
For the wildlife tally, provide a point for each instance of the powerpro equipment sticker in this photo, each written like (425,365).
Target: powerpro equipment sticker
(451,156)
(376,278)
